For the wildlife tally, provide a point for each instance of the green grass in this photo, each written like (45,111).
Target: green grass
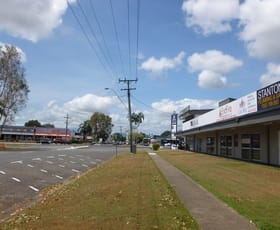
(251,189)
(125,193)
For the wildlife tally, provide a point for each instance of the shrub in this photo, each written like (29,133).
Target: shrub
(155,146)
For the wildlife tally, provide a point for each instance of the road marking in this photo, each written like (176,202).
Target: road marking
(61,166)
(16,162)
(31,166)
(84,165)
(2,172)
(82,160)
(75,170)
(50,162)
(16,179)
(59,177)
(61,155)
(43,170)
(37,159)
(93,162)
(61,159)
(50,157)
(98,160)
(72,157)
(73,162)
(33,188)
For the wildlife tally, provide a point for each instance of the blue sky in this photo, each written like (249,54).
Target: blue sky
(192,52)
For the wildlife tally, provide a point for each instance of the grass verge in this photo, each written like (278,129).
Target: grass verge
(125,193)
(251,189)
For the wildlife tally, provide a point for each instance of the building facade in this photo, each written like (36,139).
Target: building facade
(22,133)
(246,128)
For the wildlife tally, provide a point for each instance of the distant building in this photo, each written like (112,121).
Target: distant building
(22,133)
(246,128)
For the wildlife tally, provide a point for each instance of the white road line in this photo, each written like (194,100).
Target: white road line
(72,157)
(82,160)
(59,177)
(61,159)
(84,165)
(16,179)
(73,162)
(61,166)
(98,160)
(43,170)
(61,155)
(31,166)
(2,172)
(50,162)
(50,157)
(93,162)
(33,188)
(16,162)
(37,159)
(75,170)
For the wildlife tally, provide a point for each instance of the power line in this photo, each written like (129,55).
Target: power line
(117,37)
(95,37)
(87,38)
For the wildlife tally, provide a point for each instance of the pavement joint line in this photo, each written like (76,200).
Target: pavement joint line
(33,188)
(2,172)
(16,179)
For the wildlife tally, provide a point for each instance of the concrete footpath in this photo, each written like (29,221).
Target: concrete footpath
(209,212)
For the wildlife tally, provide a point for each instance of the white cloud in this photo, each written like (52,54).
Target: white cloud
(213,60)
(210,16)
(209,79)
(211,65)
(261,28)
(272,75)
(157,66)
(31,20)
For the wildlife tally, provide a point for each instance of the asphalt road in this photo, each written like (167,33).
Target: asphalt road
(25,172)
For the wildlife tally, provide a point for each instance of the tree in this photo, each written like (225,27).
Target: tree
(85,129)
(48,125)
(166,134)
(118,137)
(13,86)
(32,123)
(137,118)
(101,126)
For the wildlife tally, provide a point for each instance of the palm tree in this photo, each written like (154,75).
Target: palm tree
(137,118)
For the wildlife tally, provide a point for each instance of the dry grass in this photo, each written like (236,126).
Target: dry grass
(253,190)
(126,193)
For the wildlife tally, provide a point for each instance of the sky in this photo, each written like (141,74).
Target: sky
(182,53)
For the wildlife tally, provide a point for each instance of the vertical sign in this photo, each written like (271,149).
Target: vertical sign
(174,118)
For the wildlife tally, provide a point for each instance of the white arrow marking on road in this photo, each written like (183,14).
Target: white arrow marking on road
(82,160)
(2,172)
(33,188)
(72,162)
(75,170)
(98,160)
(93,162)
(16,162)
(43,170)
(50,157)
(84,165)
(61,166)
(61,159)
(59,177)
(31,166)
(37,159)
(16,179)
(50,162)
(61,155)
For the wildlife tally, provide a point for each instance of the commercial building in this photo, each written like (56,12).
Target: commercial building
(22,133)
(246,128)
